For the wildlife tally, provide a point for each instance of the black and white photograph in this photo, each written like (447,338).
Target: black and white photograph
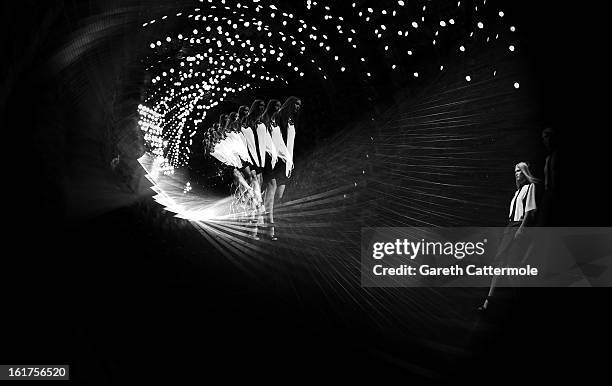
(305,191)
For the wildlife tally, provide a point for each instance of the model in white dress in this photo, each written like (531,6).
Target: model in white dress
(522,214)
(269,156)
(285,120)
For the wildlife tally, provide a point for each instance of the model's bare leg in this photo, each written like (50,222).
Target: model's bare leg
(269,205)
(280,190)
(491,290)
(257,218)
(503,249)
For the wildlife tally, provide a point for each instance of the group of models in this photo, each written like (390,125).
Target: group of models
(257,144)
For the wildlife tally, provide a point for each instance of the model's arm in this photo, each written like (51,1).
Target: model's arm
(247,171)
(261,140)
(241,180)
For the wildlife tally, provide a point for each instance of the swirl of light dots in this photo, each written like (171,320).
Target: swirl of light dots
(195,68)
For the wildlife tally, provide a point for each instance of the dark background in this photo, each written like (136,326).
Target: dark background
(99,294)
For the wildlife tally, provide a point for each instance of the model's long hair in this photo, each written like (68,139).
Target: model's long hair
(252,116)
(524,168)
(242,112)
(214,133)
(285,113)
(222,121)
(266,116)
(230,121)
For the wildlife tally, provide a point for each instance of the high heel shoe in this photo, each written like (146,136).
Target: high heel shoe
(272,234)
(485,305)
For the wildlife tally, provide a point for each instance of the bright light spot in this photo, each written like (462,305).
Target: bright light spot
(516,85)
(468,78)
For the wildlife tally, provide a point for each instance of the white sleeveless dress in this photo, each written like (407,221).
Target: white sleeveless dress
(281,147)
(249,138)
(290,144)
(266,146)
(239,145)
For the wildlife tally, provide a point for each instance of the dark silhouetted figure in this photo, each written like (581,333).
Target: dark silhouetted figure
(549,214)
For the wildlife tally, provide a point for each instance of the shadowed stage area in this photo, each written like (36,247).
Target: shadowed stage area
(159,298)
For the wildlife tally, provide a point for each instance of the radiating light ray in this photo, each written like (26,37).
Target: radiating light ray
(438,158)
